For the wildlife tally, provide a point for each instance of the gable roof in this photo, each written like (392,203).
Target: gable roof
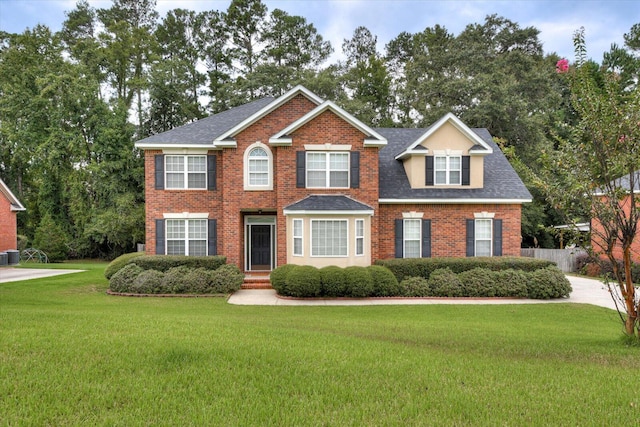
(374,139)
(501,182)
(480,146)
(13,200)
(328,204)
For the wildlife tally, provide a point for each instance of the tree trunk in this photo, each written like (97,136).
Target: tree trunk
(630,295)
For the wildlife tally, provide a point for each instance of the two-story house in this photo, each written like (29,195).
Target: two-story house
(297,179)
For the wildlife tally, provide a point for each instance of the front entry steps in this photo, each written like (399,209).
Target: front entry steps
(256,280)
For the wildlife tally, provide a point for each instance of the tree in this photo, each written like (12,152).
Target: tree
(596,170)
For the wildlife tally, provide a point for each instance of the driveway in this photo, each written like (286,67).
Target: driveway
(10,274)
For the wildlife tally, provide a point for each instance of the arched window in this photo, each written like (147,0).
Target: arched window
(258,169)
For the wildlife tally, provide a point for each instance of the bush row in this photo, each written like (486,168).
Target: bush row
(404,268)
(164,263)
(378,281)
(177,280)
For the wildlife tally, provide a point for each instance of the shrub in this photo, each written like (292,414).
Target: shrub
(333,281)
(278,278)
(197,281)
(166,262)
(359,282)
(124,278)
(415,287)
(385,283)
(303,281)
(51,239)
(225,280)
(174,281)
(478,282)
(147,282)
(511,283)
(445,283)
(548,283)
(115,265)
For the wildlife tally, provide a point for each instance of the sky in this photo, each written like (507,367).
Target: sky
(605,21)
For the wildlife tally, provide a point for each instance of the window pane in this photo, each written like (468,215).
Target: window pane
(454,163)
(359,228)
(411,229)
(174,163)
(297,227)
(258,165)
(175,247)
(316,161)
(412,249)
(258,179)
(329,238)
(339,161)
(175,180)
(175,229)
(440,163)
(454,177)
(198,229)
(197,247)
(197,180)
(196,163)
(316,179)
(483,229)
(339,179)
(441,177)
(258,152)
(483,248)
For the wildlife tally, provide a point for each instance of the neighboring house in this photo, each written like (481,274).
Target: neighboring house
(297,179)
(634,197)
(9,207)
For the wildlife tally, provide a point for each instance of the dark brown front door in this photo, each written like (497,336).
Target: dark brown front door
(260,247)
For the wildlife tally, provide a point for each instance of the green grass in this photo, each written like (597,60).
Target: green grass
(71,355)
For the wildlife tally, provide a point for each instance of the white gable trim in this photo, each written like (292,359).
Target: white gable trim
(458,124)
(226,139)
(13,200)
(373,139)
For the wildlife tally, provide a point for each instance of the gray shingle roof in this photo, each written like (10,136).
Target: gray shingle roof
(205,130)
(322,202)
(500,180)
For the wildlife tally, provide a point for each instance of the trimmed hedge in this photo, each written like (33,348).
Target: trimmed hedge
(178,280)
(119,262)
(403,268)
(361,282)
(164,263)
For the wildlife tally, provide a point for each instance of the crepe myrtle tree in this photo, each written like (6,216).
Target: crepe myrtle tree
(595,171)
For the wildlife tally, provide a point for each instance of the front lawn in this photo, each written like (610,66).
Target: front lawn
(72,355)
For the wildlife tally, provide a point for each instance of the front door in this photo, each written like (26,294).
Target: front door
(260,243)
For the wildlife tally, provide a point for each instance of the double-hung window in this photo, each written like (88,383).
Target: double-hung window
(359,237)
(258,167)
(329,238)
(187,237)
(483,237)
(412,238)
(327,170)
(186,172)
(297,237)
(448,170)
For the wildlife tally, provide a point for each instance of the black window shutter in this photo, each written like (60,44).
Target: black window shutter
(471,237)
(159,171)
(426,238)
(466,170)
(212,240)
(211,172)
(160,236)
(399,227)
(497,237)
(428,170)
(355,169)
(300,169)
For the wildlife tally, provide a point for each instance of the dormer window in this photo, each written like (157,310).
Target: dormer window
(448,170)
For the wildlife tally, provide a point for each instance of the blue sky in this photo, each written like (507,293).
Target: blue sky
(605,21)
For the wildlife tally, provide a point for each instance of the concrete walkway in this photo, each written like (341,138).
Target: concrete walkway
(10,274)
(585,291)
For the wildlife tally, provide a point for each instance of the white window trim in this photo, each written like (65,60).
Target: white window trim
(359,238)
(301,236)
(476,239)
(346,221)
(186,215)
(327,169)
(327,147)
(404,239)
(185,172)
(447,169)
(249,187)
(186,235)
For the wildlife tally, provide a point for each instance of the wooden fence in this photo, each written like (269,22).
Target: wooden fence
(564,258)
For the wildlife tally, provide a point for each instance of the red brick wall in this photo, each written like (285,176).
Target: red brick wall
(597,244)
(448,227)
(8,225)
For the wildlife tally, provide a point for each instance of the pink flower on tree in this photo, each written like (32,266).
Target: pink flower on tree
(562,66)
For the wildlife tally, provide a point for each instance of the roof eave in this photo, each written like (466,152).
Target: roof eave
(160,146)
(327,212)
(453,201)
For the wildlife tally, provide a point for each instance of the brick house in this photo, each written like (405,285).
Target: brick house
(9,207)
(297,179)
